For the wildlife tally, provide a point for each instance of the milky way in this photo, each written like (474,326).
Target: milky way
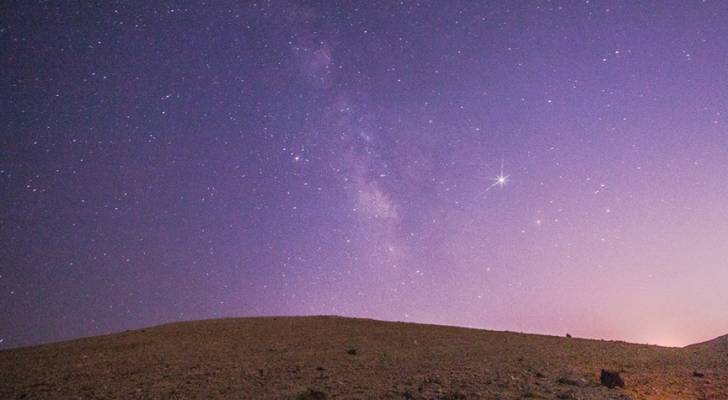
(545,167)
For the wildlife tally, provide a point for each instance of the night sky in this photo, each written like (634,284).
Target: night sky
(546,167)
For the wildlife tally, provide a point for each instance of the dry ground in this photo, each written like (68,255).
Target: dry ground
(331,357)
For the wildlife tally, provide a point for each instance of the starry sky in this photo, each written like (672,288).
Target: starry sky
(537,166)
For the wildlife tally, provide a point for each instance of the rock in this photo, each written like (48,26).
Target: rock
(697,374)
(611,379)
(351,352)
(568,336)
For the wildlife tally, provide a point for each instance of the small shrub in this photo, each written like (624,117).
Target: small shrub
(611,379)
(311,394)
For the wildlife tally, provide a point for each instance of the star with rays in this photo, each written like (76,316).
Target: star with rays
(499,180)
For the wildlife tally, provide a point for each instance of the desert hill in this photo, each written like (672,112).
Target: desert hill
(717,345)
(333,357)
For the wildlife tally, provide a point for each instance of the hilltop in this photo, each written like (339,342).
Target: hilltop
(333,357)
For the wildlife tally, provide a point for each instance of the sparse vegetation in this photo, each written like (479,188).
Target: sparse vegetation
(230,359)
(311,394)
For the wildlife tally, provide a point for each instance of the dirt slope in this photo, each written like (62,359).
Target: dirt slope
(332,357)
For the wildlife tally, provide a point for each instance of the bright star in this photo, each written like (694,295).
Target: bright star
(499,180)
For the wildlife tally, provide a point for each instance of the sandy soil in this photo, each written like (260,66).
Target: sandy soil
(311,358)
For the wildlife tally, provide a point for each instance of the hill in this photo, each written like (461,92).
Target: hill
(715,346)
(332,357)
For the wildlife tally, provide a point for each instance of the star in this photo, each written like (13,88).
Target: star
(500,180)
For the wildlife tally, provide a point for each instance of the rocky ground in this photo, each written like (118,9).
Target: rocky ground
(331,357)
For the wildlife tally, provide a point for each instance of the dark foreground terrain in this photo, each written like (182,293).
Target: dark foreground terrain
(330,357)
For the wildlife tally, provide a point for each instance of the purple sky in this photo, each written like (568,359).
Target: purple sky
(193,160)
